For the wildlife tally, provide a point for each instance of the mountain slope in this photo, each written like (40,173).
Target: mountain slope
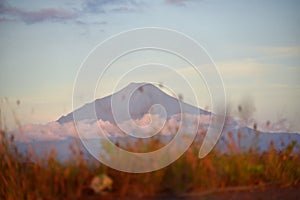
(139,98)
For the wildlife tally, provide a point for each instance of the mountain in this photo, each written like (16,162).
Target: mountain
(140,98)
(244,138)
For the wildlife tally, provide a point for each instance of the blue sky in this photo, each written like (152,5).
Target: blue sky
(255,44)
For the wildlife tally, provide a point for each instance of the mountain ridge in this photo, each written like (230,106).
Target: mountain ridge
(143,97)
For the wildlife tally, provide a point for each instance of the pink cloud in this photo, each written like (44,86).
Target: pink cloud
(30,17)
(57,131)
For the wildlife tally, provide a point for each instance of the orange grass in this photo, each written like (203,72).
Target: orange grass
(32,177)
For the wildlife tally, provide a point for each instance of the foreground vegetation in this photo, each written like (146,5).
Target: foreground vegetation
(32,177)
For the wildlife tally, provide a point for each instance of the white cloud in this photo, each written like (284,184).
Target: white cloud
(280,51)
(56,131)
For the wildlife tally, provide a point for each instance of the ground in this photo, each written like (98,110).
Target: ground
(245,193)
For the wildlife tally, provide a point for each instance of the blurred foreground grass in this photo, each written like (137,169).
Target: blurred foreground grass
(32,177)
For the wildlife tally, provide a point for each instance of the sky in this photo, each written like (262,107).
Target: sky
(255,45)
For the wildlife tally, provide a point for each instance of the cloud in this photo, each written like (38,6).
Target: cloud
(55,131)
(31,17)
(244,68)
(104,6)
(177,2)
(5,19)
(280,51)
(10,13)
(49,14)
(82,22)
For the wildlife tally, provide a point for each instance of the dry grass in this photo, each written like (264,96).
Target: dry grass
(32,177)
